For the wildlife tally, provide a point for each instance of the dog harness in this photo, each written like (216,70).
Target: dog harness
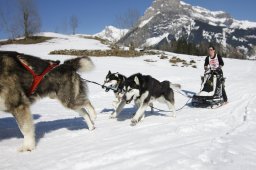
(37,78)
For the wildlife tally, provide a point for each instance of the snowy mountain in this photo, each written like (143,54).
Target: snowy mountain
(169,20)
(198,138)
(112,33)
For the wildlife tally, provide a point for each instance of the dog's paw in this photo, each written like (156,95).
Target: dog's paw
(134,122)
(29,143)
(113,115)
(26,148)
(91,128)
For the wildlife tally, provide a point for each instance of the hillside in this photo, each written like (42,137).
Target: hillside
(222,138)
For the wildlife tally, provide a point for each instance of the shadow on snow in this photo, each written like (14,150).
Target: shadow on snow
(128,113)
(9,128)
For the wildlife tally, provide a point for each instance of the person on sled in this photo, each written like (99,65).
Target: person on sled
(215,62)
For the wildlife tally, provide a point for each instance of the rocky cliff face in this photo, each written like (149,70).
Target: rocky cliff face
(169,20)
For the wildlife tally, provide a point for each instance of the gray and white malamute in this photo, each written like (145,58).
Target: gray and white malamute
(25,78)
(115,82)
(144,89)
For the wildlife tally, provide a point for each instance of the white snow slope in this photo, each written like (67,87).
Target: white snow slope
(197,139)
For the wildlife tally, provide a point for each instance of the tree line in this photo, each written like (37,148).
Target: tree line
(183,46)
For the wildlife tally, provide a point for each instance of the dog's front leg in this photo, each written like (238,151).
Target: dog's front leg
(118,109)
(25,122)
(139,114)
(117,101)
(136,106)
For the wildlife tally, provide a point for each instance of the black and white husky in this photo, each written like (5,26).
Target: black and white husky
(144,89)
(115,82)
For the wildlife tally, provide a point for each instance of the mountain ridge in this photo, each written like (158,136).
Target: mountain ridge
(171,20)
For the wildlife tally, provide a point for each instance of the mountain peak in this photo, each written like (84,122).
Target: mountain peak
(159,6)
(163,4)
(170,20)
(112,33)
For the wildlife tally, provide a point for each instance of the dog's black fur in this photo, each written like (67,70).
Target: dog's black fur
(155,88)
(144,89)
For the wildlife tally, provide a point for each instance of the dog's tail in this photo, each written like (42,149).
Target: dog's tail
(175,86)
(81,64)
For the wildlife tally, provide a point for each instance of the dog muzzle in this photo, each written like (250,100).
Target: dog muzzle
(106,88)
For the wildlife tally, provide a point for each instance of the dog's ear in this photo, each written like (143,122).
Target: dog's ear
(136,79)
(109,72)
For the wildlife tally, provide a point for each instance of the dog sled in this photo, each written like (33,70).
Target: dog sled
(210,94)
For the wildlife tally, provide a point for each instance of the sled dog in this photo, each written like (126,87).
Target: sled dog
(144,89)
(20,72)
(115,81)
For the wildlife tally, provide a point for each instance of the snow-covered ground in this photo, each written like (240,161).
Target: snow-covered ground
(198,139)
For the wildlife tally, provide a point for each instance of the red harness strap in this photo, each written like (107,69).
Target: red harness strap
(37,78)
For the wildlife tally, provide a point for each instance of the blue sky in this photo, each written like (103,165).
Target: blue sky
(94,15)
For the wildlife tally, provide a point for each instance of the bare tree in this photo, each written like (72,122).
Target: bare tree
(22,20)
(73,23)
(129,19)
(29,21)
